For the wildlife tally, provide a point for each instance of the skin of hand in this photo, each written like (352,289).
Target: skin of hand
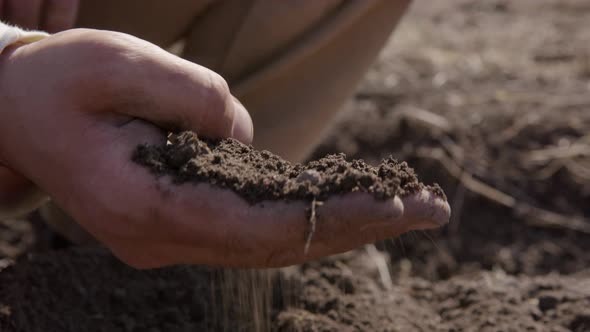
(18,195)
(76,105)
(47,15)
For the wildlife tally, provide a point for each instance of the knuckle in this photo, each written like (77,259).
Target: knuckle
(104,58)
(218,89)
(218,112)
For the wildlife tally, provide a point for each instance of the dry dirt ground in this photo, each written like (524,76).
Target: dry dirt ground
(489,98)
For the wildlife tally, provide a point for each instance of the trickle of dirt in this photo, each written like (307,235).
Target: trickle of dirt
(260,175)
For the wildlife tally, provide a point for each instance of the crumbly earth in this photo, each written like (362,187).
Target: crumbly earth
(260,175)
(89,290)
(508,85)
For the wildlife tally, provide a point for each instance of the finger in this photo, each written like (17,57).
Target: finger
(422,210)
(349,221)
(59,15)
(141,80)
(25,14)
(425,210)
(179,94)
(230,232)
(243,127)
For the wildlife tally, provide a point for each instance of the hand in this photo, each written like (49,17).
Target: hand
(48,15)
(76,105)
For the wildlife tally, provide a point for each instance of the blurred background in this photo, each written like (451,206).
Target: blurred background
(492,100)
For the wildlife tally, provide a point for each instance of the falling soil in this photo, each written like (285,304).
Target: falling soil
(260,175)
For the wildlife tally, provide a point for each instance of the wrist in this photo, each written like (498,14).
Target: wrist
(11,38)
(4,100)
(18,195)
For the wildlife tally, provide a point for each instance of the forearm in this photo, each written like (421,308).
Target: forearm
(17,194)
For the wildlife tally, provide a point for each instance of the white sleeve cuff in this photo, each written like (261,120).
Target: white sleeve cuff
(10,35)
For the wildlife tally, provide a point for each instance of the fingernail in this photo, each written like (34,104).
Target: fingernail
(426,210)
(243,128)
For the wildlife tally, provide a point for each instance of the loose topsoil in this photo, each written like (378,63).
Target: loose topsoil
(492,93)
(260,175)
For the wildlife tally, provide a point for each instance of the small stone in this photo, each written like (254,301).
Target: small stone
(310,175)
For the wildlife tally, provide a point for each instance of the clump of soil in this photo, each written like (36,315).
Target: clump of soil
(260,175)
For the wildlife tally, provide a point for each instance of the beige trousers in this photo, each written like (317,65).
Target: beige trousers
(292,63)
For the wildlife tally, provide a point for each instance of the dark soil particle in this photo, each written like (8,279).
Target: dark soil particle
(260,175)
